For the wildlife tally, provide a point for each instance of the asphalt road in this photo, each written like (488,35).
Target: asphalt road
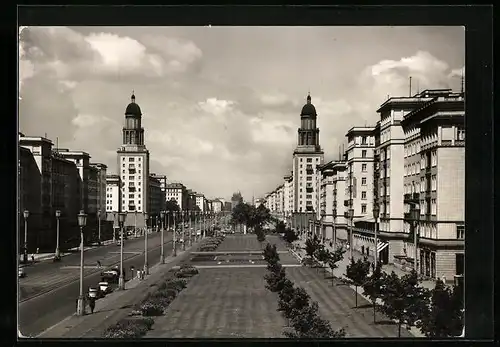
(43,311)
(47,275)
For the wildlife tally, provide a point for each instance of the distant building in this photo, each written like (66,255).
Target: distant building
(163,186)
(156,198)
(236,199)
(200,202)
(101,187)
(216,205)
(177,192)
(113,194)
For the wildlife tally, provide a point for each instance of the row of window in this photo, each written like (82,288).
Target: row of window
(131,159)
(309,160)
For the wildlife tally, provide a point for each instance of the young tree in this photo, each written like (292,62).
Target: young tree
(357,272)
(444,316)
(322,255)
(275,278)
(297,302)
(280,227)
(290,236)
(311,246)
(373,286)
(270,254)
(334,257)
(404,299)
(261,237)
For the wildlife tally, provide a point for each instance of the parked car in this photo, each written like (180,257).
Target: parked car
(110,276)
(104,287)
(94,293)
(21,273)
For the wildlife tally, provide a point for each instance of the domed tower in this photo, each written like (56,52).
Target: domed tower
(306,157)
(308,133)
(133,168)
(133,133)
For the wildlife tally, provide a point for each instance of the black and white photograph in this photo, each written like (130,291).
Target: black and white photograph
(241,182)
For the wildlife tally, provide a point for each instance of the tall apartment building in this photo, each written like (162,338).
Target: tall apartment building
(339,179)
(133,166)
(280,199)
(360,153)
(200,202)
(163,186)
(156,198)
(392,171)
(191,200)
(307,155)
(288,194)
(101,187)
(51,180)
(113,194)
(178,192)
(325,189)
(216,205)
(434,180)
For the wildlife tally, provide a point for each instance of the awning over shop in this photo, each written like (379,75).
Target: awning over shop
(381,246)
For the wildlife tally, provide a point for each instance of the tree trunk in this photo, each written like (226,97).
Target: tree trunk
(399,328)
(356,296)
(332,277)
(374,306)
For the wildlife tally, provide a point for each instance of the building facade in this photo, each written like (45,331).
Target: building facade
(288,194)
(307,155)
(177,192)
(216,205)
(163,186)
(101,188)
(113,194)
(434,180)
(360,154)
(133,166)
(156,198)
(201,202)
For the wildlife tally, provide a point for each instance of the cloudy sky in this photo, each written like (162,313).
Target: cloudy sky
(221,105)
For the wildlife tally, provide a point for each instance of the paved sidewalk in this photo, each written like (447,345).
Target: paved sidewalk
(341,270)
(115,305)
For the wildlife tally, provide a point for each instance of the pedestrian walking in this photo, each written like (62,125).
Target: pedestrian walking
(37,250)
(99,264)
(92,304)
(33,258)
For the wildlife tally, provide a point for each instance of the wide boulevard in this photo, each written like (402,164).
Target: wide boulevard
(49,292)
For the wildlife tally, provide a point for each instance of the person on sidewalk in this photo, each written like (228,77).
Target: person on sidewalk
(33,259)
(91,304)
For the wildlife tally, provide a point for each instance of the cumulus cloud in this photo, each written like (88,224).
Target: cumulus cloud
(219,115)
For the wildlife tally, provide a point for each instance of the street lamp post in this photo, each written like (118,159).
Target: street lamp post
(183,230)
(174,251)
(26,214)
(416,225)
(334,212)
(99,227)
(189,227)
(146,269)
(376,213)
(135,223)
(80,308)
(351,219)
(114,229)
(162,226)
(57,253)
(121,279)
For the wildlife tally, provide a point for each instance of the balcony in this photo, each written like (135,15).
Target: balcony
(309,189)
(416,197)
(309,169)
(131,168)
(131,189)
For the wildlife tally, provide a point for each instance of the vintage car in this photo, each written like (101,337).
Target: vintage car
(104,287)
(94,293)
(110,276)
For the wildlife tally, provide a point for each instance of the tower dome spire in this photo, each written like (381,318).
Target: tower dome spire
(309,97)
(132,98)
